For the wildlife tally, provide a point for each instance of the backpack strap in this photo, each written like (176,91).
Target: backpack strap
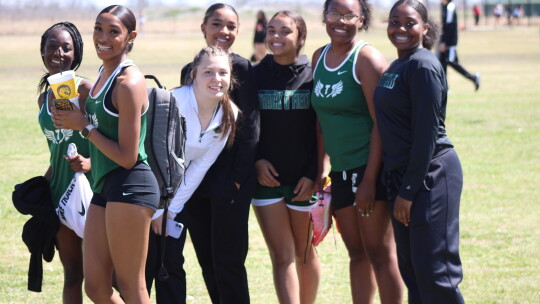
(163,275)
(154,78)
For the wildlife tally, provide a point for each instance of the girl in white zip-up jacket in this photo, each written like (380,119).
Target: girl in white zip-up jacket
(210,118)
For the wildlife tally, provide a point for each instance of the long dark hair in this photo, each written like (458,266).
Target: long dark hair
(127,18)
(300,27)
(365,12)
(261,18)
(228,122)
(431,36)
(78,47)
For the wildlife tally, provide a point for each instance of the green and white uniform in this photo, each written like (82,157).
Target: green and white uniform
(106,121)
(58,141)
(342,110)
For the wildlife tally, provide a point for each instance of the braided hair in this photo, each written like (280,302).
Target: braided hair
(77,44)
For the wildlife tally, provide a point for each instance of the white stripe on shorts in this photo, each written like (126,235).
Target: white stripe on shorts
(270,201)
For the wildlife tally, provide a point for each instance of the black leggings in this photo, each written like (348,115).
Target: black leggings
(172,290)
(445,61)
(218,227)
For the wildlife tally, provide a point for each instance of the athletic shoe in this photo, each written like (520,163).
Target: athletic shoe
(477,81)
(321,216)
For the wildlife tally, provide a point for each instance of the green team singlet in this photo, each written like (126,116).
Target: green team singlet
(58,141)
(342,110)
(107,123)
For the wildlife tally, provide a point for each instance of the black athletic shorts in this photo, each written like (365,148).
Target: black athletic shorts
(137,186)
(345,183)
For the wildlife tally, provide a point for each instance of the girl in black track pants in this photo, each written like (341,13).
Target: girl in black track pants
(421,169)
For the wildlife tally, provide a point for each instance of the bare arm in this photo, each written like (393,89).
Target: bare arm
(48,174)
(130,98)
(323,160)
(41,100)
(369,68)
(84,89)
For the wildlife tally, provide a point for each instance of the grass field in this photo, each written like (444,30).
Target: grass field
(496,132)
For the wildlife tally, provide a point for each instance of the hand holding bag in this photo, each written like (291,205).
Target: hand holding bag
(74,203)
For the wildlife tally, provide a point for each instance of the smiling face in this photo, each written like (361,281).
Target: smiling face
(282,39)
(221,28)
(342,30)
(58,52)
(212,77)
(111,37)
(406,30)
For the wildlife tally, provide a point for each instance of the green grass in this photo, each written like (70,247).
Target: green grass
(496,132)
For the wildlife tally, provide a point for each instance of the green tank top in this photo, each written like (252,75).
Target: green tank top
(106,121)
(58,141)
(342,110)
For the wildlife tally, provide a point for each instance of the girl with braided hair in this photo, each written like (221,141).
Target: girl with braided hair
(62,50)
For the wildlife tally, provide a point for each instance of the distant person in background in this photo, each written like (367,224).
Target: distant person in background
(476,14)
(287,160)
(448,43)
(517,13)
(422,171)
(497,13)
(62,50)
(259,50)
(142,21)
(508,14)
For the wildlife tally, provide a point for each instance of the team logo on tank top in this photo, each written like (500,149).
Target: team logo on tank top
(93,120)
(328,90)
(58,136)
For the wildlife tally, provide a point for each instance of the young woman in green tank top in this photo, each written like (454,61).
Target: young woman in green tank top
(61,50)
(125,190)
(345,76)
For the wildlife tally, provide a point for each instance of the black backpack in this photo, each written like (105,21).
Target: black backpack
(165,146)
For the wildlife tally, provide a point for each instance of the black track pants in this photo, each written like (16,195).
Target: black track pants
(428,250)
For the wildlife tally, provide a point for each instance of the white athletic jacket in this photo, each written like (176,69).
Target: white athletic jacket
(202,146)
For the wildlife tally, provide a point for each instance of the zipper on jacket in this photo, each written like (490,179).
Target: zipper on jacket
(200,123)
